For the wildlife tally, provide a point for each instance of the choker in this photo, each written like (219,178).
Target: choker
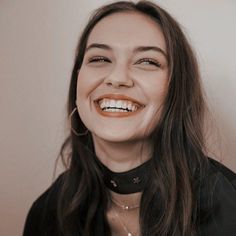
(131,181)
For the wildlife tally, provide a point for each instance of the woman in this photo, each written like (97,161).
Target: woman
(137,163)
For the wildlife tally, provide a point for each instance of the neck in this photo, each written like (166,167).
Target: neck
(122,156)
(127,199)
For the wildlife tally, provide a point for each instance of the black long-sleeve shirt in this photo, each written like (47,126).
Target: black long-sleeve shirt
(41,219)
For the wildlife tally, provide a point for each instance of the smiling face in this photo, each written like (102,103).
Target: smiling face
(125,60)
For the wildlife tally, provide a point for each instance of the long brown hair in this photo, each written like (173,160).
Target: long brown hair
(169,204)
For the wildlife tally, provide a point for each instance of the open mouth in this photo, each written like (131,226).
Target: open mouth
(113,107)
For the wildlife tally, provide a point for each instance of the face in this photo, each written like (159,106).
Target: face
(124,69)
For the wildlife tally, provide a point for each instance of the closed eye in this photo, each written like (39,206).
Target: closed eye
(98,59)
(148,61)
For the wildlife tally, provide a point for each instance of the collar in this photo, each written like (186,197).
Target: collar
(131,181)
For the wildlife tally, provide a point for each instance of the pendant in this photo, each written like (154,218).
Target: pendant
(129,234)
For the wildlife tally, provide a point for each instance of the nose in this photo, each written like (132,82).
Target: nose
(119,76)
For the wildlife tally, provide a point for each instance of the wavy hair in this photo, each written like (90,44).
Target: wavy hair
(170,203)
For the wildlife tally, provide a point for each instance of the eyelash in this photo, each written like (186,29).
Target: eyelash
(152,62)
(104,59)
(98,59)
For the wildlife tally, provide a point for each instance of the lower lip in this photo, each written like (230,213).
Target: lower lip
(116,114)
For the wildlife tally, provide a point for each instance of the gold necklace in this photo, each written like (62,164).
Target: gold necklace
(123,224)
(123,206)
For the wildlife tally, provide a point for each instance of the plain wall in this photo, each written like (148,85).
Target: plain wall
(37,46)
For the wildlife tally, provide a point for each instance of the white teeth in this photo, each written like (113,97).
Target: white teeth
(119,104)
(106,103)
(114,110)
(124,105)
(112,103)
(134,108)
(103,104)
(129,105)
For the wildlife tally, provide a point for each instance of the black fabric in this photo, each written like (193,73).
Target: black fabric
(41,219)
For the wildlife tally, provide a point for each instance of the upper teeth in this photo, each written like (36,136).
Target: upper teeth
(105,103)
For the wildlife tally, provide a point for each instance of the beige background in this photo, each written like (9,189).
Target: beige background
(37,44)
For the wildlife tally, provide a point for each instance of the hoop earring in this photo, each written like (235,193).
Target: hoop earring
(74,131)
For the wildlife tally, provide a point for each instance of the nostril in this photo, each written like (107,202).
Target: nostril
(119,80)
(122,84)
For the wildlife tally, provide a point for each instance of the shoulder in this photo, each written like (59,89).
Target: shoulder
(219,190)
(217,167)
(42,214)
(222,179)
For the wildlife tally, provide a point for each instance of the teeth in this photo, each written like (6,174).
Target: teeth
(114,110)
(103,104)
(119,104)
(134,108)
(106,103)
(112,103)
(124,105)
(129,105)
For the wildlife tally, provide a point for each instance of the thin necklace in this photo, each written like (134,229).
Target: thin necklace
(123,224)
(123,206)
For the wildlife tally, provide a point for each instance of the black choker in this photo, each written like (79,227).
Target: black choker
(131,181)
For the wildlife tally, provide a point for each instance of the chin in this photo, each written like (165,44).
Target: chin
(118,136)
(115,136)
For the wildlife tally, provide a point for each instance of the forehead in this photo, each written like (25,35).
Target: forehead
(127,30)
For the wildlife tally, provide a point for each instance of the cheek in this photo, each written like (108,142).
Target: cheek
(155,78)
(85,83)
(90,78)
(162,89)
(95,72)
(155,86)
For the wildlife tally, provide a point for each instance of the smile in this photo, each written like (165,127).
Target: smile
(117,107)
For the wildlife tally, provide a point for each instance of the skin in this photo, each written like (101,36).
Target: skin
(118,140)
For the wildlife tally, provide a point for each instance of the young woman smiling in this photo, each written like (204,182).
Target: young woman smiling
(137,163)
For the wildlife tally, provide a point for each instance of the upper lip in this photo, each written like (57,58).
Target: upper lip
(118,97)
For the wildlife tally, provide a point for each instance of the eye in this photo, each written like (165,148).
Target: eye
(148,61)
(98,59)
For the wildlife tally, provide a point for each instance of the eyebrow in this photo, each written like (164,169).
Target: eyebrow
(136,49)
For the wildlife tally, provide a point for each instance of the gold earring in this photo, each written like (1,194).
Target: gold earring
(74,131)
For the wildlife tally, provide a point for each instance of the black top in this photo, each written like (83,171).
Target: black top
(41,220)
